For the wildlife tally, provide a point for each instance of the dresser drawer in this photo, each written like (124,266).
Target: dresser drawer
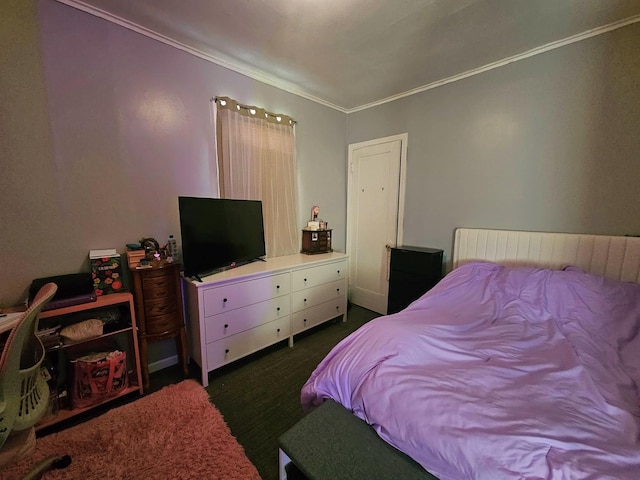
(313,316)
(158,324)
(236,346)
(161,286)
(241,319)
(160,306)
(313,276)
(314,296)
(166,272)
(241,294)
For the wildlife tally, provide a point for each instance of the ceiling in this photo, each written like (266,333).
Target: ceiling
(351,54)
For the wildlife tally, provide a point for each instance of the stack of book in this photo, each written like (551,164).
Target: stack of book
(134,257)
(50,337)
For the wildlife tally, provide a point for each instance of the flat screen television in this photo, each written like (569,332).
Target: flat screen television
(219,233)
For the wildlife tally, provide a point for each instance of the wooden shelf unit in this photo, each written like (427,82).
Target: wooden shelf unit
(135,376)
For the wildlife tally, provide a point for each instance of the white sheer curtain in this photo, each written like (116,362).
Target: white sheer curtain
(257,161)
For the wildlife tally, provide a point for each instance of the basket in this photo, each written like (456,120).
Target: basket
(98,377)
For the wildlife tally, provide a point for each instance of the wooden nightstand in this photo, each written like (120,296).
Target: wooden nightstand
(158,300)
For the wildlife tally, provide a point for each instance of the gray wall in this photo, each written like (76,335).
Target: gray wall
(549,143)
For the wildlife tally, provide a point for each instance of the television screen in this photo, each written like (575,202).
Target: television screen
(218,233)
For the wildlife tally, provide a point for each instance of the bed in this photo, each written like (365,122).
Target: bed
(523,362)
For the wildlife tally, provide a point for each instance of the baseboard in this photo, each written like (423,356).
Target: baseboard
(163,363)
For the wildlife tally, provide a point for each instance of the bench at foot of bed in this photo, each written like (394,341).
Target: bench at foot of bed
(331,443)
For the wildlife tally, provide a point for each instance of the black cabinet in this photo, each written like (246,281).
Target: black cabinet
(413,271)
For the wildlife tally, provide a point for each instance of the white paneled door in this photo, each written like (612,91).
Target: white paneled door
(374,217)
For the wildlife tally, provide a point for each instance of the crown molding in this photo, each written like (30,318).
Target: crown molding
(295,90)
(501,63)
(218,60)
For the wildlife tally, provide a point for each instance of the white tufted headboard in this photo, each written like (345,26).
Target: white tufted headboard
(613,257)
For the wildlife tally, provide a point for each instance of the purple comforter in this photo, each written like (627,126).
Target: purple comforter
(498,373)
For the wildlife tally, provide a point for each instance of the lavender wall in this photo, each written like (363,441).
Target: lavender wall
(102,130)
(123,128)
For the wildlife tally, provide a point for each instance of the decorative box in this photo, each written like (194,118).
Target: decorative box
(316,241)
(134,257)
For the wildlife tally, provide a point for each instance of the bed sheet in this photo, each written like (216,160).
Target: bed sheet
(500,372)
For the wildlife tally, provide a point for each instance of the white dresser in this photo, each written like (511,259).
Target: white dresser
(237,312)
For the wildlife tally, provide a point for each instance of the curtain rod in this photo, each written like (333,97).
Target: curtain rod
(252,107)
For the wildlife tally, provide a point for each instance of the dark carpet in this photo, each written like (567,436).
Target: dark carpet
(259,396)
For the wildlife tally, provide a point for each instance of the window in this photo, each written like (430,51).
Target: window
(257,161)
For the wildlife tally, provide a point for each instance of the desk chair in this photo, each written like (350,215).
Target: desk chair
(24,393)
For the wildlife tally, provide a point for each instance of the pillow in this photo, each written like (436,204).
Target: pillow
(82,330)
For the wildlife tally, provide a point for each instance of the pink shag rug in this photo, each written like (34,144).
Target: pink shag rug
(175,433)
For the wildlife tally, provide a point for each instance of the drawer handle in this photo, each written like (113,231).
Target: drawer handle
(338,290)
(226,325)
(224,300)
(305,299)
(226,350)
(278,330)
(277,286)
(278,308)
(338,272)
(305,279)
(304,321)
